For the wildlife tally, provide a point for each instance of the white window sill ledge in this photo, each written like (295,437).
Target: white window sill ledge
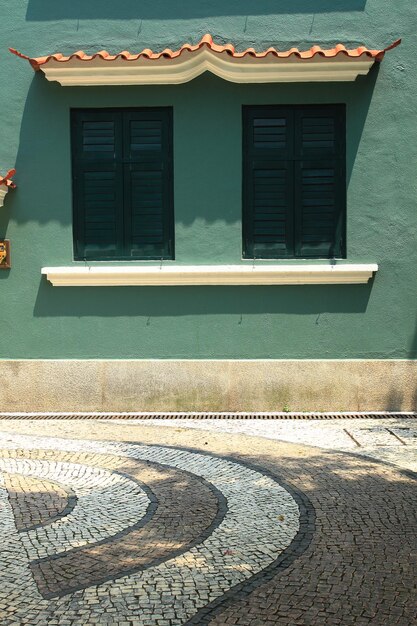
(174,275)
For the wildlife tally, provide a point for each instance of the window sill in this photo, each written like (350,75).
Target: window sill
(174,275)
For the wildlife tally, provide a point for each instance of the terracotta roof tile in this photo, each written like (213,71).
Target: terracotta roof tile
(7,179)
(207,41)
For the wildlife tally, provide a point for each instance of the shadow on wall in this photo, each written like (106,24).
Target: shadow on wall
(5,214)
(156,302)
(199,120)
(413,350)
(395,401)
(50,10)
(396,398)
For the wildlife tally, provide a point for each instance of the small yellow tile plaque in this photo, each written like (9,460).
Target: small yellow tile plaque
(4,254)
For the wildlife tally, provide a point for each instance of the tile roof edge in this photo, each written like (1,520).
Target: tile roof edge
(393,45)
(33,62)
(7,179)
(207,41)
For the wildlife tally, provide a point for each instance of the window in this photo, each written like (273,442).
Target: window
(122,183)
(294,186)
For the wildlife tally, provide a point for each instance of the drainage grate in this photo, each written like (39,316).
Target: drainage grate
(210,415)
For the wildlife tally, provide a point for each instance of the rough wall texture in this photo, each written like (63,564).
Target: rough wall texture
(197,385)
(300,322)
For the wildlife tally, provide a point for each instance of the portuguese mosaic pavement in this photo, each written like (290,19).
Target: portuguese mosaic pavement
(143,524)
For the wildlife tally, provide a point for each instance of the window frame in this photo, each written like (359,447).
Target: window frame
(292,111)
(168,252)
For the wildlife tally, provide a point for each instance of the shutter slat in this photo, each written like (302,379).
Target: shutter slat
(270,208)
(319,208)
(143,136)
(102,226)
(97,139)
(318,132)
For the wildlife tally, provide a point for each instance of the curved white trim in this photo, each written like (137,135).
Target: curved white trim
(128,275)
(187,66)
(3,191)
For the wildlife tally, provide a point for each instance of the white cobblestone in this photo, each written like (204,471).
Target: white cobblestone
(107,503)
(261,521)
(249,538)
(376,438)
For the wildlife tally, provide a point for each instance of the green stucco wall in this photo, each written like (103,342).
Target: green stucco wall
(370,321)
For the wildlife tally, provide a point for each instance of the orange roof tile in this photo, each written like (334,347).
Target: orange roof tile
(7,179)
(207,41)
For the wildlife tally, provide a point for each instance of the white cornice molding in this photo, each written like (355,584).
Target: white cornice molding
(3,191)
(186,67)
(176,275)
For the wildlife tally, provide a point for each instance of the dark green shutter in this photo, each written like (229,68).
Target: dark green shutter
(319,181)
(148,184)
(268,183)
(294,181)
(122,172)
(98,184)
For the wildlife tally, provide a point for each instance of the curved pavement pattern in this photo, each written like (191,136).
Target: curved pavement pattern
(37,502)
(195,528)
(105,504)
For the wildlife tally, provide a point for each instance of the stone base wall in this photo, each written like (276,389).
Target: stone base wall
(202,385)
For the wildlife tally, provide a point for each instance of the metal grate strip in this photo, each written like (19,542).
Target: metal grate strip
(206,415)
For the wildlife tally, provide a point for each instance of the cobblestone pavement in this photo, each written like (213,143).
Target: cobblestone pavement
(240,523)
(390,440)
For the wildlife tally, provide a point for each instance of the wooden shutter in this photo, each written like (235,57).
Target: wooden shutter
(294,181)
(122,171)
(268,185)
(98,184)
(319,177)
(148,183)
